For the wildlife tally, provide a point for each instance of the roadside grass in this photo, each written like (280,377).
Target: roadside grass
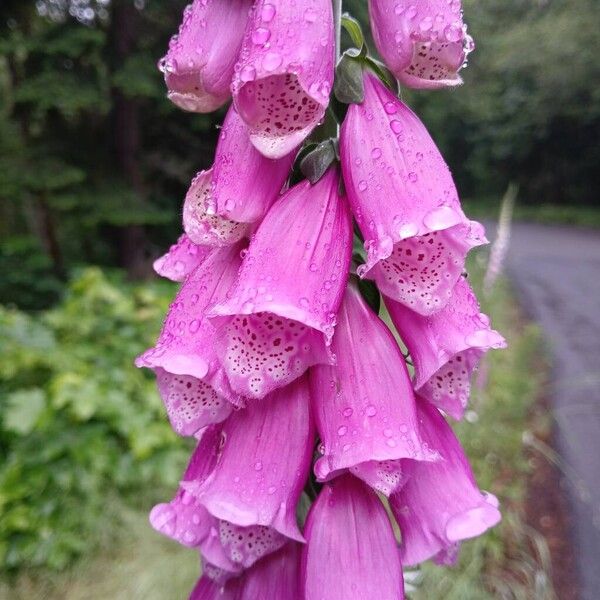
(509,562)
(546,214)
(136,564)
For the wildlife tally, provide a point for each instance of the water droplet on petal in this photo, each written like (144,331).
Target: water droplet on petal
(268,12)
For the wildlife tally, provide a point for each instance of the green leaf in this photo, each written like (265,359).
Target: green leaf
(315,163)
(349,85)
(24,408)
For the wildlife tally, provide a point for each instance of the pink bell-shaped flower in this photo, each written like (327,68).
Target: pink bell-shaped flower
(181,259)
(424,42)
(198,67)
(190,379)
(351,551)
(446,347)
(279,318)
(275,577)
(260,472)
(364,406)
(244,182)
(284,77)
(200,222)
(184,519)
(405,202)
(440,504)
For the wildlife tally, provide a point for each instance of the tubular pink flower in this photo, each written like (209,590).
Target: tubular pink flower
(191,382)
(364,407)
(201,226)
(261,470)
(446,347)
(181,259)
(404,201)
(284,76)
(244,182)
(351,551)
(440,504)
(199,64)
(184,519)
(279,317)
(275,577)
(424,43)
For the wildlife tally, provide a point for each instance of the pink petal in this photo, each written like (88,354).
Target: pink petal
(244,182)
(425,43)
(280,315)
(190,378)
(184,519)
(284,77)
(351,551)
(440,504)
(446,347)
(198,67)
(205,228)
(181,259)
(263,465)
(404,201)
(273,578)
(364,406)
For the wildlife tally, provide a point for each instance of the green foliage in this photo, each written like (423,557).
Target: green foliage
(529,111)
(78,422)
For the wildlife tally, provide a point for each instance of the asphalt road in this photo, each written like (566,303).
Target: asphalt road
(556,271)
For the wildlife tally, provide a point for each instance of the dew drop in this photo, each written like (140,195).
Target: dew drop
(248,73)
(268,12)
(261,36)
(396,126)
(271,61)
(343,430)
(370,411)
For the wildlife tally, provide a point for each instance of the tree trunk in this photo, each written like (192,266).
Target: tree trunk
(131,239)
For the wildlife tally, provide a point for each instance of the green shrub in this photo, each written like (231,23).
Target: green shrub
(79,424)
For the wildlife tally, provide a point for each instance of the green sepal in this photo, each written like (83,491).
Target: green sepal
(317,161)
(349,86)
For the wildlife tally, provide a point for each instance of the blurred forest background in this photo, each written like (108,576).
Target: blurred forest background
(94,165)
(94,162)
